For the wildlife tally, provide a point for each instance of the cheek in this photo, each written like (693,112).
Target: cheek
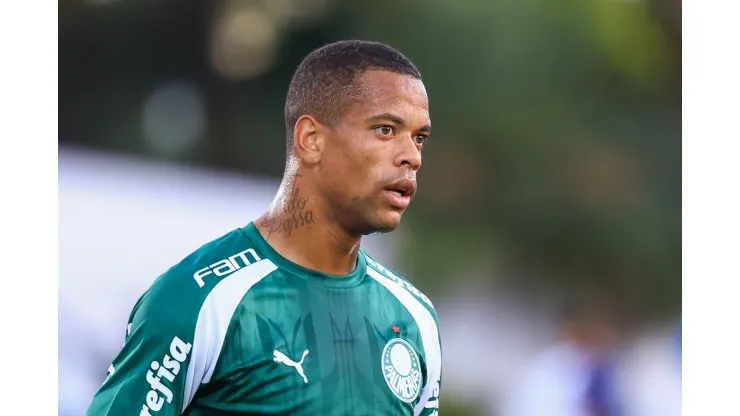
(369,170)
(340,174)
(359,167)
(357,162)
(360,175)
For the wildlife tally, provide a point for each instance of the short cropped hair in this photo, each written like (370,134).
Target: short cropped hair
(327,77)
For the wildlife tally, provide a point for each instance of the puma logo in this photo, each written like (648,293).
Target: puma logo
(281,358)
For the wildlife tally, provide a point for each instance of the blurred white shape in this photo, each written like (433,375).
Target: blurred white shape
(481,357)
(244,42)
(651,375)
(174,118)
(553,383)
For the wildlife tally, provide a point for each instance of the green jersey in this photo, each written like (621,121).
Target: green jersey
(236,329)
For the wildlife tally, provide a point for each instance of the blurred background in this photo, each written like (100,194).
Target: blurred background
(547,223)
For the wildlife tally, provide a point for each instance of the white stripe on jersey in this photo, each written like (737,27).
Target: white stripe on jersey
(427,329)
(213,322)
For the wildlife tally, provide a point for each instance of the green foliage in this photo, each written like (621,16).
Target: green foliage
(554,147)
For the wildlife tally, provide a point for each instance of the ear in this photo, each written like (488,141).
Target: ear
(308,139)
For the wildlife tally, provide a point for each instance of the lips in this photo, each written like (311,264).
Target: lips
(399,193)
(402,188)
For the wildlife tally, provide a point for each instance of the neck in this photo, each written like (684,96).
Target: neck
(297,228)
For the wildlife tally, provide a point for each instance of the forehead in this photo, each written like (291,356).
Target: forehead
(384,91)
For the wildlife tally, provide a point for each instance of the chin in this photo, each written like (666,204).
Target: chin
(379,230)
(383,224)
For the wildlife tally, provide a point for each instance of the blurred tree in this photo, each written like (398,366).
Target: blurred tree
(558,147)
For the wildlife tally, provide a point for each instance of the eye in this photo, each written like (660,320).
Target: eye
(420,139)
(384,130)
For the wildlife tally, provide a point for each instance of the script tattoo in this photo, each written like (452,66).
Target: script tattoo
(295,215)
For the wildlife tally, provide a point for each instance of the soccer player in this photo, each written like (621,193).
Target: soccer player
(287,316)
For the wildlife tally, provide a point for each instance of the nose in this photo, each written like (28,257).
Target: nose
(408,154)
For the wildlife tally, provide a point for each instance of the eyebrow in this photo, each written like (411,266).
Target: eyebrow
(396,119)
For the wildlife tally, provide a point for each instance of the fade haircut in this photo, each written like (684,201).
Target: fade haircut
(326,80)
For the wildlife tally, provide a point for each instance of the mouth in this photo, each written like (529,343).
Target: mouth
(400,193)
(404,187)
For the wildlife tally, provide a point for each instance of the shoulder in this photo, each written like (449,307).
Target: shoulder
(178,295)
(202,269)
(380,272)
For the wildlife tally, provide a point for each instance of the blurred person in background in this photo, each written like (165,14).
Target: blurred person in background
(287,315)
(576,376)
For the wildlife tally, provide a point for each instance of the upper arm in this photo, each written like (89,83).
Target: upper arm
(178,329)
(148,375)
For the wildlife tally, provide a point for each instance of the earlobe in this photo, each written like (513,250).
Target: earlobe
(308,140)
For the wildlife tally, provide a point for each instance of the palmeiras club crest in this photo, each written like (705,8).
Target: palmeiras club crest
(401,369)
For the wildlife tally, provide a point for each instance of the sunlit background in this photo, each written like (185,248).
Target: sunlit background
(547,223)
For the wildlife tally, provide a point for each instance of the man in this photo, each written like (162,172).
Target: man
(287,315)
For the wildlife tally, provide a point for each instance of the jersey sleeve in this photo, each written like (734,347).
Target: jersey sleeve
(429,403)
(149,376)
